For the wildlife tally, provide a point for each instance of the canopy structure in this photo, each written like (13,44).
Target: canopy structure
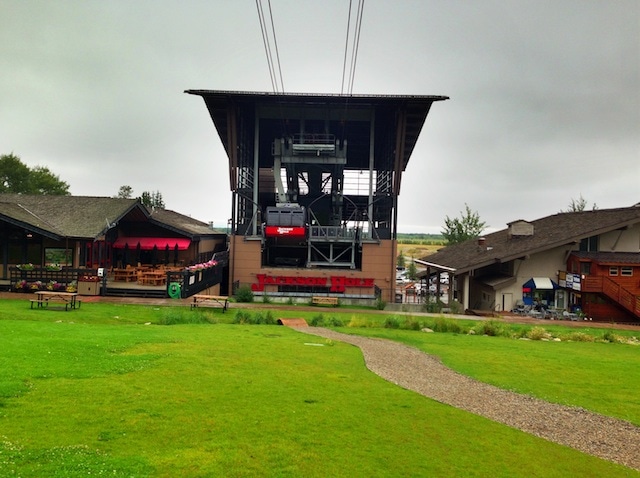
(149,243)
(540,283)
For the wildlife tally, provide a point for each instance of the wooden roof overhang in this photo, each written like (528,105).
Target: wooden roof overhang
(404,114)
(30,227)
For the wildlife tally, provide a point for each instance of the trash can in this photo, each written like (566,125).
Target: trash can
(398,298)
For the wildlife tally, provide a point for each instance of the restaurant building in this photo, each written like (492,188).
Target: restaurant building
(76,234)
(315,181)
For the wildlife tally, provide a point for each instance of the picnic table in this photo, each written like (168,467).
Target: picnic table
(153,278)
(211,301)
(67,299)
(125,275)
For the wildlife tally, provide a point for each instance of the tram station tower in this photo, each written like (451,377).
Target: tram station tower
(315,180)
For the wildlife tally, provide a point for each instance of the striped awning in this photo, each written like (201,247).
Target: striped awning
(540,283)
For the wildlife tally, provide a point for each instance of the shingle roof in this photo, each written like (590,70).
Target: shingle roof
(181,223)
(610,257)
(87,217)
(549,232)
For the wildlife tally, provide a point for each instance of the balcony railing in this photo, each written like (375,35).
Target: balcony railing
(613,290)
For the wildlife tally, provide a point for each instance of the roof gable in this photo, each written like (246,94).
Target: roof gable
(547,233)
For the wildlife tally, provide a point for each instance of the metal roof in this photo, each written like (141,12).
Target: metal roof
(402,114)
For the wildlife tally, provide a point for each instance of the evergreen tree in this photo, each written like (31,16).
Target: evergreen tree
(152,199)
(400,260)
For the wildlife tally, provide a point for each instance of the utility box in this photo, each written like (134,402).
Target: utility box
(88,287)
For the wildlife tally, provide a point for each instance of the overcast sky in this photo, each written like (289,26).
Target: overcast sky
(544,108)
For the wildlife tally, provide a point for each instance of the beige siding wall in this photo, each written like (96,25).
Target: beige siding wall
(544,264)
(245,260)
(379,262)
(627,240)
(209,244)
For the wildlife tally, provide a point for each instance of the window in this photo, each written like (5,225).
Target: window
(626,271)
(589,244)
(57,256)
(585,268)
(613,271)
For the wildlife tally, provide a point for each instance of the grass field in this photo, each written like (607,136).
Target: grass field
(105,390)
(417,251)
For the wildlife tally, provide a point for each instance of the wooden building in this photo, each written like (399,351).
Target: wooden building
(79,232)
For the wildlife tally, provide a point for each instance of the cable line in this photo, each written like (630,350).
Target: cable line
(356,45)
(275,43)
(267,47)
(346,49)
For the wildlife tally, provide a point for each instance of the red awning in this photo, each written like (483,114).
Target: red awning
(148,243)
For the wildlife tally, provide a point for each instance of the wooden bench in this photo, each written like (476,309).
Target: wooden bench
(202,300)
(331,301)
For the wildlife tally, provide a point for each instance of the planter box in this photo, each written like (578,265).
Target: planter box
(88,288)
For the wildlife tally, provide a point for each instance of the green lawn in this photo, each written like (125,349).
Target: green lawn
(97,392)
(602,377)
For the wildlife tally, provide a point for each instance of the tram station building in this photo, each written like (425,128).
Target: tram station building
(315,180)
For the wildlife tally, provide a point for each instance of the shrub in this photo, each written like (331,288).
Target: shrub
(317,321)
(411,324)
(242,317)
(442,324)
(266,318)
(492,328)
(266,299)
(380,304)
(391,323)
(578,337)
(609,336)
(456,307)
(244,294)
(537,333)
(176,316)
(335,322)
(357,321)
(433,307)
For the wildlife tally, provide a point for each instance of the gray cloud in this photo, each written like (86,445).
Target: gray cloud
(545,96)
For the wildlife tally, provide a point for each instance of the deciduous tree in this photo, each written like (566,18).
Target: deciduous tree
(468,226)
(125,192)
(16,177)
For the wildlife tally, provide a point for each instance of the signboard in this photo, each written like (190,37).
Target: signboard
(284,231)
(335,283)
(569,280)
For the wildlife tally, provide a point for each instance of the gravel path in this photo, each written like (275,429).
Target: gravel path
(608,438)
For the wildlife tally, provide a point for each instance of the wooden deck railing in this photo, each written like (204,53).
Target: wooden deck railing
(38,277)
(614,291)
